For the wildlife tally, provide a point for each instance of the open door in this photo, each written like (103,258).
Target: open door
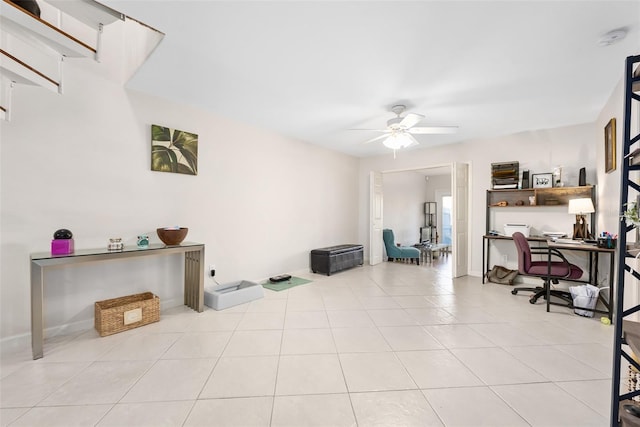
(460,219)
(375,218)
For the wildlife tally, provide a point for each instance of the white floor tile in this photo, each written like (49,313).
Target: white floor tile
(157,414)
(560,408)
(437,369)
(375,372)
(9,415)
(313,411)
(307,341)
(242,377)
(458,336)
(496,366)
(473,406)
(596,394)
(306,319)
(402,338)
(393,317)
(198,345)
(63,416)
(240,412)
(310,374)
(33,382)
(260,321)
(393,408)
(254,343)
(349,319)
(171,380)
(350,340)
(143,346)
(102,382)
(554,364)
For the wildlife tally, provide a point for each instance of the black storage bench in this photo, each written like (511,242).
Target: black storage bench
(336,258)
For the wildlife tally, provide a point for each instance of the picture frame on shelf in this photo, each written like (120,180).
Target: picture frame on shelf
(610,146)
(542,180)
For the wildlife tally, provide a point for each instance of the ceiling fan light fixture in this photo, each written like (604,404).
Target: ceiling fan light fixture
(397,140)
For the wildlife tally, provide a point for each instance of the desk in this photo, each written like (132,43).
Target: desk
(193,277)
(593,251)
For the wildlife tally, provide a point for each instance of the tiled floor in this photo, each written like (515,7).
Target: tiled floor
(390,345)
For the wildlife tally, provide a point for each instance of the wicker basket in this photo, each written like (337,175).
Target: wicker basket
(124,313)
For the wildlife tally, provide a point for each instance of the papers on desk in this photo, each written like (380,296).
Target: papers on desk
(554,234)
(569,241)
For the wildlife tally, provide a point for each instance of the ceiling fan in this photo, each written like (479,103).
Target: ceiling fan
(400,130)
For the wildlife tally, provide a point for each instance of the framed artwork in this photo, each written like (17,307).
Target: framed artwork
(174,150)
(542,180)
(610,146)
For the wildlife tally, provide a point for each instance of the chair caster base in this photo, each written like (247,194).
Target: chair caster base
(514,292)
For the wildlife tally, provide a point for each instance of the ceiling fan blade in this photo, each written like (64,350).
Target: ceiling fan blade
(384,135)
(434,130)
(371,130)
(413,140)
(410,120)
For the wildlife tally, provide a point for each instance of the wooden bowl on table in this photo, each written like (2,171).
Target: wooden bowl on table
(172,236)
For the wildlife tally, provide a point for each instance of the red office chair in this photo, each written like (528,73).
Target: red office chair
(559,270)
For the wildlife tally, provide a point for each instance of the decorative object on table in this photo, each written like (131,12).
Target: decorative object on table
(610,146)
(519,202)
(607,240)
(30,6)
(124,313)
(525,179)
(579,208)
(501,275)
(532,200)
(172,236)
(582,177)
(509,229)
(174,150)
(505,175)
(501,203)
(62,243)
(557,177)
(115,244)
(542,180)
(143,241)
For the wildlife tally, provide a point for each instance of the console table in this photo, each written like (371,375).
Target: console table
(193,277)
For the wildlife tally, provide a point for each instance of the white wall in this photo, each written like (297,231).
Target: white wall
(405,194)
(81,161)
(572,147)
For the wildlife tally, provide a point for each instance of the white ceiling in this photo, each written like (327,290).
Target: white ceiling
(313,70)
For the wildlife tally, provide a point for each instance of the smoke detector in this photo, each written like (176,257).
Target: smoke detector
(612,37)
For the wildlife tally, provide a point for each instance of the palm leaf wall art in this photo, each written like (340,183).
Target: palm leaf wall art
(174,150)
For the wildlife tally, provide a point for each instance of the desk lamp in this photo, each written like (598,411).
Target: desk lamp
(579,208)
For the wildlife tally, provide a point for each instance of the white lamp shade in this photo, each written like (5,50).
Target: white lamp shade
(581,206)
(397,141)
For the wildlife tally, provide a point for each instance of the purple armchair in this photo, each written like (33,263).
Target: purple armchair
(559,270)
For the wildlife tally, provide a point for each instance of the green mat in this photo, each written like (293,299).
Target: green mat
(281,286)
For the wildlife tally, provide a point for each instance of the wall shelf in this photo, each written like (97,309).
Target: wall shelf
(19,72)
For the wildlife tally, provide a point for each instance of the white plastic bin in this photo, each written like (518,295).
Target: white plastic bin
(230,294)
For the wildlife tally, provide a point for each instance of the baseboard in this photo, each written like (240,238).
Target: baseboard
(21,341)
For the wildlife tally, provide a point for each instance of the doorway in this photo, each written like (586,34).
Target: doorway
(455,198)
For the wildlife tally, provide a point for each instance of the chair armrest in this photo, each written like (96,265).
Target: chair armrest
(554,253)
